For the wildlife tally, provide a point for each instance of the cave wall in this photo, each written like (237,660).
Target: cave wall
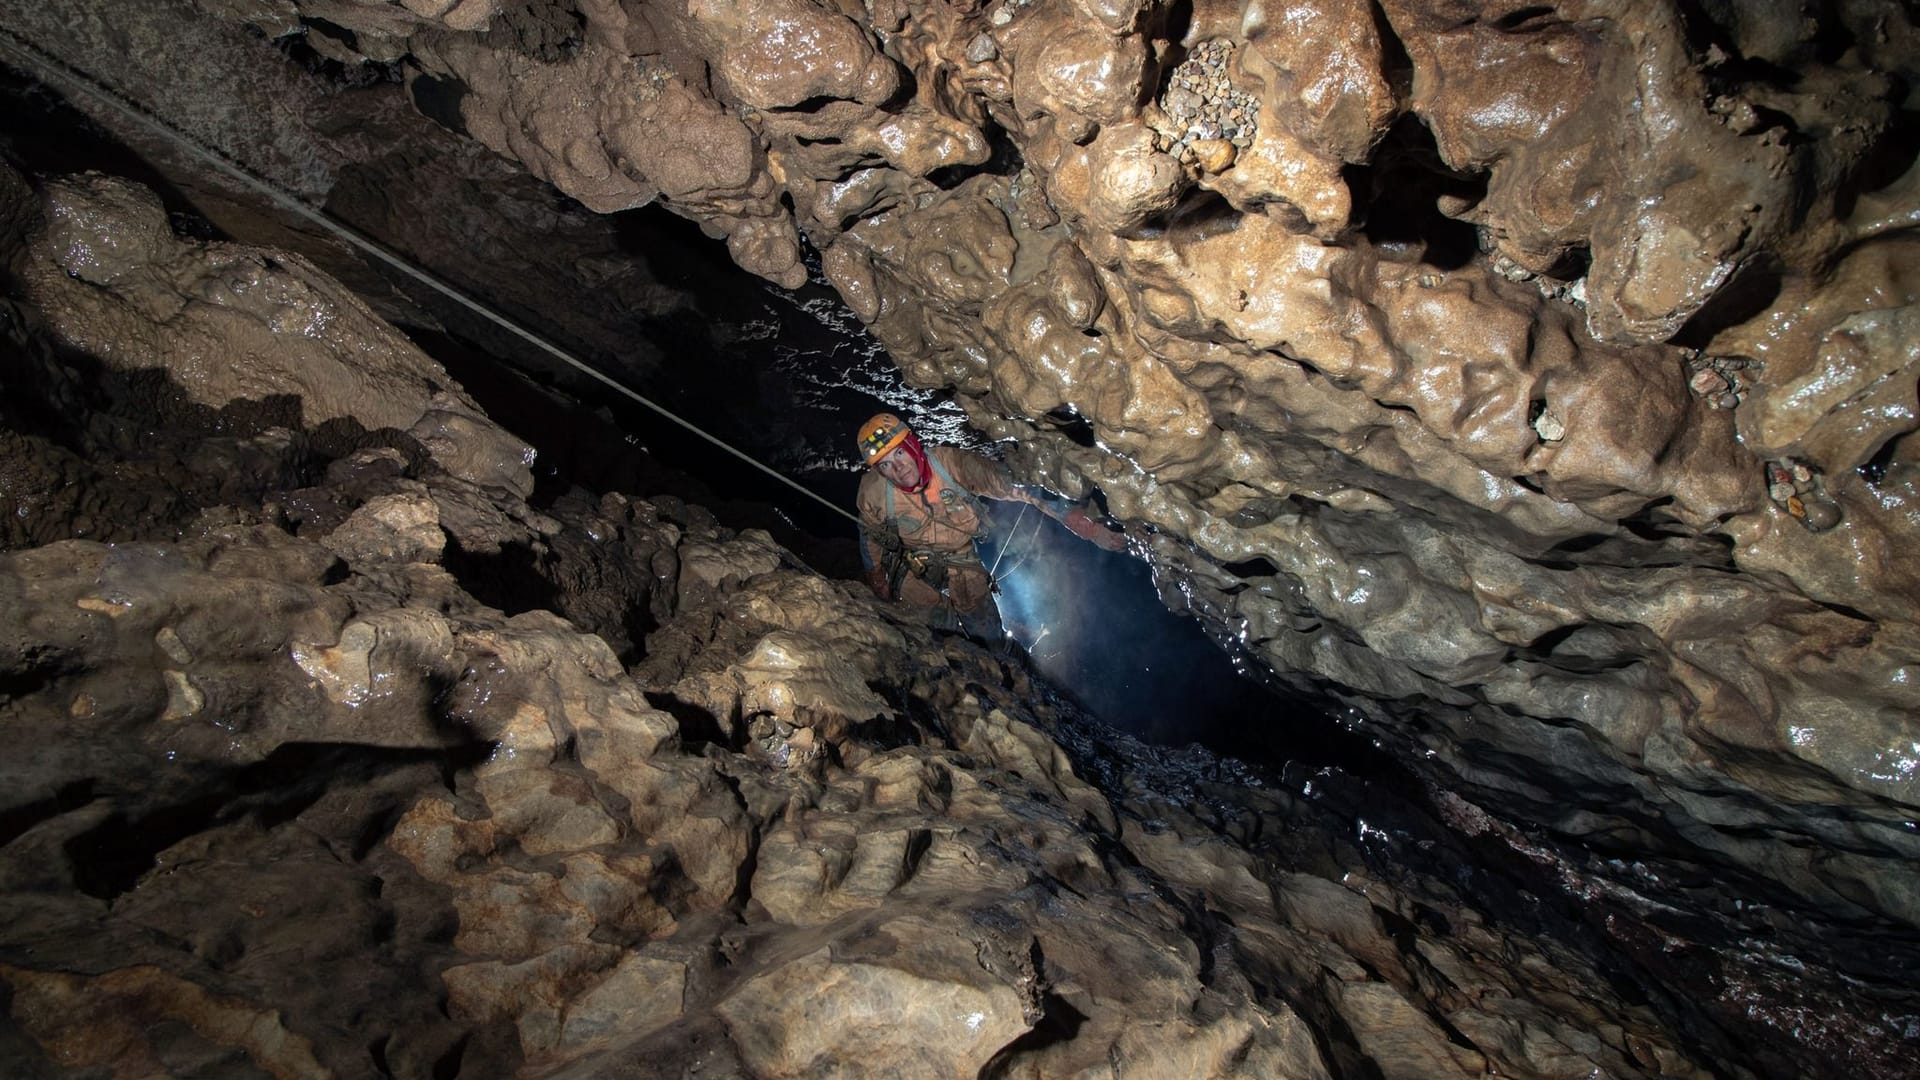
(293,791)
(1537,378)
(1536,381)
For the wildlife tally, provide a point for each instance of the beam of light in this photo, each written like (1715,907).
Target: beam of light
(1111,643)
(1054,587)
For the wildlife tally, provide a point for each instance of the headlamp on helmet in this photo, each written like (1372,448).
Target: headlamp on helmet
(880,435)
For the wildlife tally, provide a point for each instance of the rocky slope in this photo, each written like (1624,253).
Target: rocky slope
(1537,380)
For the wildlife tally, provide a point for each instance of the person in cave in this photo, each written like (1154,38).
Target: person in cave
(921,516)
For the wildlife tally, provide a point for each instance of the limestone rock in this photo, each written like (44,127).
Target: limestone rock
(398,528)
(473,448)
(871,1018)
(1404,398)
(109,275)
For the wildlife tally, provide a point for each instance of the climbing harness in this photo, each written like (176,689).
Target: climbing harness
(933,567)
(896,559)
(950,494)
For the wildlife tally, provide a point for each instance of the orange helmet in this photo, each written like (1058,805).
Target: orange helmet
(881,434)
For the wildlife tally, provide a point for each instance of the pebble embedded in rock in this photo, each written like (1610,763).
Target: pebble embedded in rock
(1820,515)
(1213,155)
(1550,427)
(1204,105)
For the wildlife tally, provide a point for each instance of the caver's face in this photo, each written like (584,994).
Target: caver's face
(898,467)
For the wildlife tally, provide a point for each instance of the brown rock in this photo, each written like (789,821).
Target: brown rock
(936,1014)
(1213,155)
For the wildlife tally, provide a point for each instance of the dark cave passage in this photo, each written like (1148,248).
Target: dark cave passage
(1109,640)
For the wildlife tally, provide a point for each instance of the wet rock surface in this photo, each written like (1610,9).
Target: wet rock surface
(1537,383)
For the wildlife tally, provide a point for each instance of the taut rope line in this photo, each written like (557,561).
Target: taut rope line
(43,64)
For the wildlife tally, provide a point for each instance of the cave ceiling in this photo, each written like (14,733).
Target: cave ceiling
(1551,366)
(1537,380)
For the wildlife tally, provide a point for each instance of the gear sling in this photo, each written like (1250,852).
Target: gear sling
(898,560)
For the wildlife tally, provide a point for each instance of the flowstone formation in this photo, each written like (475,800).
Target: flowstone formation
(1538,379)
(286,797)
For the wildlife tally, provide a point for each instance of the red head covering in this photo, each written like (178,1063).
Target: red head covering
(919,455)
(882,433)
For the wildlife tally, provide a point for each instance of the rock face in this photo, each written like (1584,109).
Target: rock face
(1545,367)
(1538,381)
(286,798)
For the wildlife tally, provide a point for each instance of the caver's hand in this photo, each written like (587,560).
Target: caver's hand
(877,581)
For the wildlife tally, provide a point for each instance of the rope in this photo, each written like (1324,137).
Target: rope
(1001,555)
(38,59)
(1032,535)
